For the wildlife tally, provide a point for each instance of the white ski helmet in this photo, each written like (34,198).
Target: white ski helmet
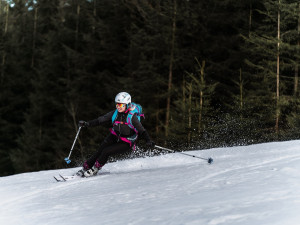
(123,97)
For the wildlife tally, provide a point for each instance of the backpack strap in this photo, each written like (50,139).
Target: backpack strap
(130,140)
(114,117)
(134,109)
(122,138)
(129,121)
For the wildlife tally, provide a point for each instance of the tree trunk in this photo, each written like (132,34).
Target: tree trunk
(296,80)
(171,70)
(77,26)
(184,99)
(4,53)
(0,9)
(34,35)
(201,96)
(250,19)
(95,9)
(2,66)
(241,90)
(6,18)
(94,14)
(190,90)
(157,123)
(277,73)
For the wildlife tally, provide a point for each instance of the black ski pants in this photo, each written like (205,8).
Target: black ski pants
(109,147)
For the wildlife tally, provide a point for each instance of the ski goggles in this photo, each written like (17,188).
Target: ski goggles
(121,105)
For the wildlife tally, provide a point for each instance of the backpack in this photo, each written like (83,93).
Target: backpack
(133,108)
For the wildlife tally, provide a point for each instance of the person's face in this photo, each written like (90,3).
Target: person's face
(121,107)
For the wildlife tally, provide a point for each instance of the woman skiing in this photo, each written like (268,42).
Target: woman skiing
(124,133)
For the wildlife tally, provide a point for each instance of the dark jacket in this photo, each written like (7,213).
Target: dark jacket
(122,130)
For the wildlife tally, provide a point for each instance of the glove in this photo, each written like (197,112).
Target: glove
(83,123)
(150,144)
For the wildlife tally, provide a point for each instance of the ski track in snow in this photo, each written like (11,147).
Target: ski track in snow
(246,185)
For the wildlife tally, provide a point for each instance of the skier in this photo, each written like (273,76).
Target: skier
(122,138)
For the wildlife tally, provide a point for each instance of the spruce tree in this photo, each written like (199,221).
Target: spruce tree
(15,78)
(43,124)
(274,58)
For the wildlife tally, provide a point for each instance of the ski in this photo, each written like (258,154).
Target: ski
(62,178)
(58,180)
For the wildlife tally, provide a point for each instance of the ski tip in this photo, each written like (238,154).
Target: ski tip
(58,180)
(62,177)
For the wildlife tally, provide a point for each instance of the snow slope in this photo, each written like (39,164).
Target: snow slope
(257,184)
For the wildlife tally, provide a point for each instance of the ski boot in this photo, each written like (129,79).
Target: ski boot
(81,172)
(93,171)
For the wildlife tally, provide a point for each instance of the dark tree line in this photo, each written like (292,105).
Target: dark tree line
(207,73)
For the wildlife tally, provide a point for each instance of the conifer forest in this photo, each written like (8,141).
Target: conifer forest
(210,73)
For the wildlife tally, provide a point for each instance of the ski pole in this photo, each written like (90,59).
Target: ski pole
(68,160)
(209,160)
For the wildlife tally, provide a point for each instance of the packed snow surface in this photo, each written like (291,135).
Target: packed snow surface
(248,185)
